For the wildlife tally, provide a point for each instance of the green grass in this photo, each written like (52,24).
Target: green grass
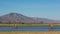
(56,24)
(28,24)
(24,24)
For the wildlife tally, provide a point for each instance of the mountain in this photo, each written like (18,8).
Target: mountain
(15,17)
(45,20)
(18,18)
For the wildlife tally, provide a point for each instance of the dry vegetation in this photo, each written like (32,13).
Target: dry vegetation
(30,32)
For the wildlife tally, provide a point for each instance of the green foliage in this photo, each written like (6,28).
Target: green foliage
(0,21)
(22,23)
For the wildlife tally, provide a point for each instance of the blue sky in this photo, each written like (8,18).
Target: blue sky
(34,8)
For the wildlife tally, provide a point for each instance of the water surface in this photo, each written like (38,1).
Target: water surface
(28,28)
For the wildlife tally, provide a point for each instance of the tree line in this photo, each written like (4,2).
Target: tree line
(20,22)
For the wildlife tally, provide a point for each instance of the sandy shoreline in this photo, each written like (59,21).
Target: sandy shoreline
(51,32)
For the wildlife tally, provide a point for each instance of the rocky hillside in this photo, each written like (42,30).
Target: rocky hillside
(18,18)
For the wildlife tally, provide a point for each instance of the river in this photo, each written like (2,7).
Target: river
(28,28)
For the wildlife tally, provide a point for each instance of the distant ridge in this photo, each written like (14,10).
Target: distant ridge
(15,17)
(18,18)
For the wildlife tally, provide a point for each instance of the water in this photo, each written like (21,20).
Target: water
(33,28)
(28,28)
(6,28)
(57,28)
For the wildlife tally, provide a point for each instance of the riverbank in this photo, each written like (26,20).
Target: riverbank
(52,32)
(28,24)
(24,24)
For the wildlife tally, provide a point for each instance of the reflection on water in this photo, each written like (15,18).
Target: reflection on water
(57,28)
(33,28)
(28,28)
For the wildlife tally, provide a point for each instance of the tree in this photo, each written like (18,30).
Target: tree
(22,23)
(0,20)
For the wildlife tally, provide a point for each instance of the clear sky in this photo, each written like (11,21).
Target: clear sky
(34,8)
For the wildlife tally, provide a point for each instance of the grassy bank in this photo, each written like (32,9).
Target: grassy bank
(52,32)
(28,24)
(24,24)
